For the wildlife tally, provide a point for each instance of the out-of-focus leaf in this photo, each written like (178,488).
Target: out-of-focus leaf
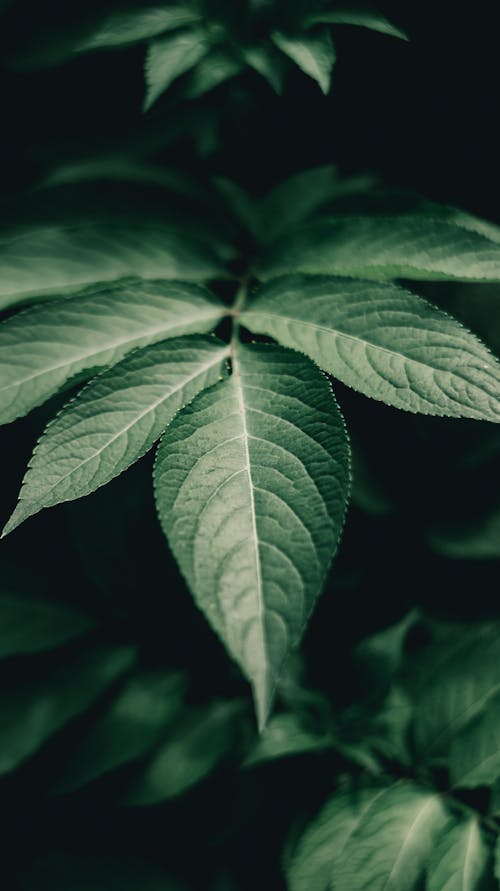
(213,69)
(284,736)
(312,51)
(32,711)
(363,17)
(460,859)
(268,62)
(470,540)
(129,728)
(201,740)
(169,57)
(29,625)
(475,750)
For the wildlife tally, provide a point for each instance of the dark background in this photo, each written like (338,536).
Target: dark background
(423,116)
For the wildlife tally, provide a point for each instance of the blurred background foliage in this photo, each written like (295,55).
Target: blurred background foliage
(128,753)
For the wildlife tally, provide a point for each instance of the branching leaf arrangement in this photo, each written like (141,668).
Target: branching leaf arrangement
(252,472)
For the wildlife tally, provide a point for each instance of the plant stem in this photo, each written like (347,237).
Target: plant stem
(239,302)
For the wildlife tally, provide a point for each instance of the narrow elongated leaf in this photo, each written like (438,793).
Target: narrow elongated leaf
(475,751)
(32,712)
(201,740)
(314,862)
(169,57)
(128,729)
(453,682)
(364,17)
(135,25)
(28,625)
(43,347)
(460,859)
(390,847)
(383,341)
(312,51)
(251,487)
(56,260)
(115,419)
(378,247)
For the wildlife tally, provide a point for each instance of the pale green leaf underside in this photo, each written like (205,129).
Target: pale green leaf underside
(313,864)
(29,626)
(202,738)
(169,57)
(55,260)
(43,347)
(363,18)
(390,848)
(312,51)
(130,727)
(460,858)
(31,713)
(461,679)
(475,751)
(384,342)
(134,25)
(115,419)
(386,247)
(251,488)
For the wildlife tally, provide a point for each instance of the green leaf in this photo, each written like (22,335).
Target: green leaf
(475,751)
(54,260)
(62,871)
(33,711)
(284,736)
(474,539)
(243,207)
(266,61)
(384,342)
(43,347)
(252,482)
(29,625)
(390,847)
(460,859)
(115,419)
(202,738)
(135,25)
(313,52)
(363,17)
(321,845)
(452,683)
(169,57)
(296,198)
(129,728)
(385,247)
(215,68)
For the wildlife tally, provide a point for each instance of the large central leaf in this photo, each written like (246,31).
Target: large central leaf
(251,485)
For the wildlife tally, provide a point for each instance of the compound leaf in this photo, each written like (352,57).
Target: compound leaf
(45,346)
(115,419)
(33,711)
(460,858)
(252,482)
(383,341)
(312,51)
(54,260)
(411,246)
(169,57)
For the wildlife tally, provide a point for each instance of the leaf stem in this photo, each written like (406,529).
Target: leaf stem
(239,302)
